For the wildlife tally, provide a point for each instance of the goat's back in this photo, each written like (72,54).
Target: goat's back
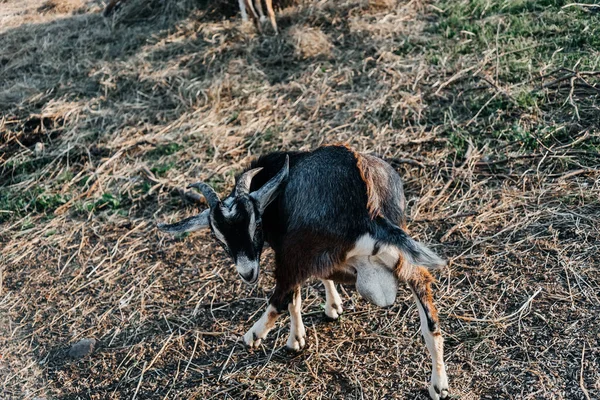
(332,191)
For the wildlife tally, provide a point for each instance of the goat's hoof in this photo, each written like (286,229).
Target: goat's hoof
(333,311)
(296,343)
(297,340)
(438,393)
(252,340)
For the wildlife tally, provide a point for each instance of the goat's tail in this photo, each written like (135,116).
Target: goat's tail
(416,253)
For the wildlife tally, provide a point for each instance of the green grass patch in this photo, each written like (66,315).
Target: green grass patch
(30,202)
(164,150)
(161,169)
(529,34)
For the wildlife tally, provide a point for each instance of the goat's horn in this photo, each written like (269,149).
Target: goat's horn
(209,194)
(243,183)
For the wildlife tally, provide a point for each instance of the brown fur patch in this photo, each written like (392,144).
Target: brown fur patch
(370,177)
(272,317)
(342,276)
(421,284)
(398,269)
(374,172)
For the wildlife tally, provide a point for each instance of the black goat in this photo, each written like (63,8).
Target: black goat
(333,214)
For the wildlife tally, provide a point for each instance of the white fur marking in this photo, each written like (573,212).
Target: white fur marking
(252,225)
(245,265)
(435,345)
(261,328)
(229,212)
(363,247)
(333,301)
(243,10)
(218,234)
(297,338)
(388,256)
(228,202)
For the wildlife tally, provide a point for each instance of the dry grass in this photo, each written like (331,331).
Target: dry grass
(60,6)
(489,114)
(309,42)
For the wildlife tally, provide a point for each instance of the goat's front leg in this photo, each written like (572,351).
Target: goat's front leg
(278,302)
(333,301)
(297,338)
(261,328)
(420,285)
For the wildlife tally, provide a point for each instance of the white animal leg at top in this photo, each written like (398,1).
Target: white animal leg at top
(261,14)
(333,301)
(297,338)
(243,10)
(269,4)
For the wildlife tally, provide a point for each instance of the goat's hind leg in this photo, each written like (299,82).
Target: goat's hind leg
(420,285)
(111,6)
(333,301)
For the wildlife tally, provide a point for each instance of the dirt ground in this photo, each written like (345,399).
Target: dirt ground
(489,111)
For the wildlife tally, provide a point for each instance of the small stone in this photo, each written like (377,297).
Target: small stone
(82,348)
(38,149)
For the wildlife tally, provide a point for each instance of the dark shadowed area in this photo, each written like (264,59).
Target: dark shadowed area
(489,110)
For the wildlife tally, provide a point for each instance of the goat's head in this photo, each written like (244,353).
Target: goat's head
(236,221)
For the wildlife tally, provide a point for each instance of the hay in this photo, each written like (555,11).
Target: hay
(309,42)
(104,122)
(383,4)
(61,6)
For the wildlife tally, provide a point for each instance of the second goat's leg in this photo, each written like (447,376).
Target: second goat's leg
(243,10)
(269,4)
(252,12)
(261,14)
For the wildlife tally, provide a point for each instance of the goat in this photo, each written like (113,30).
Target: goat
(257,19)
(331,213)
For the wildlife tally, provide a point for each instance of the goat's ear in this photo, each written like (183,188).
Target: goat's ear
(190,224)
(266,194)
